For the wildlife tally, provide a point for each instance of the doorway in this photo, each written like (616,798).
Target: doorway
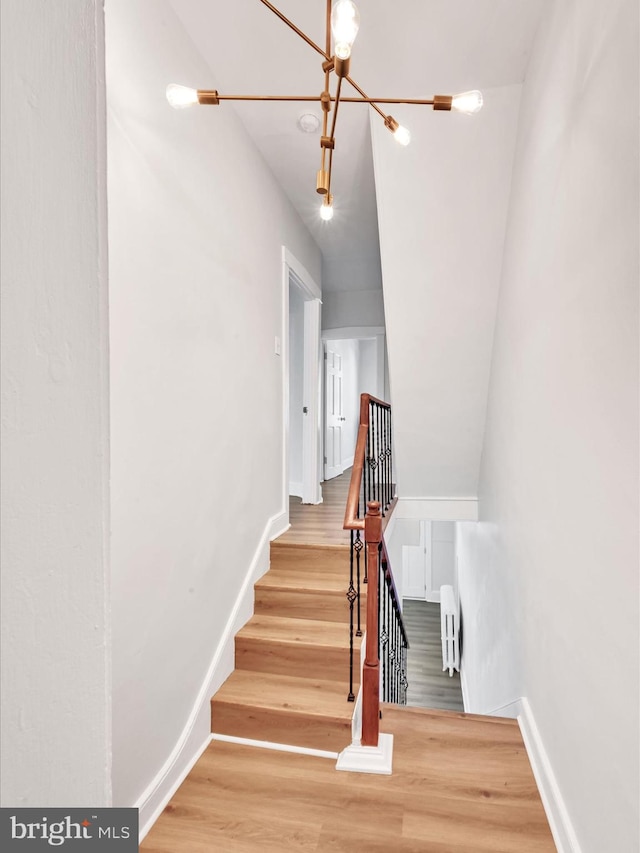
(301,384)
(354,363)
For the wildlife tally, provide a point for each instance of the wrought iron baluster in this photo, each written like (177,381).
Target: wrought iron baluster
(357,547)
(380,468)
(391,454)
(398,659)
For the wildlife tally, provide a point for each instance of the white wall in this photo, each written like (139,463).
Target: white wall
(367,368)
(442,206)
(55,618)
(352,308)
(296,387)
(549,578)
(400,532)
(197,225)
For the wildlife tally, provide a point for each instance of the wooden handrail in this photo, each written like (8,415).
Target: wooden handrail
(351,520)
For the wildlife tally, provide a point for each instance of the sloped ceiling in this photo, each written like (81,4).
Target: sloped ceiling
(441,203)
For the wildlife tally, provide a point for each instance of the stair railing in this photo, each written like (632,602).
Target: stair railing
(372,487)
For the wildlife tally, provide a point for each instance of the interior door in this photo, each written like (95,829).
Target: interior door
(334,413)
(416,565)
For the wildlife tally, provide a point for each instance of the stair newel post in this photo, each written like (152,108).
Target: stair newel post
(371,669)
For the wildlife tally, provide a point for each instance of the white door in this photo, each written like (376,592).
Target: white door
(416,565)
(335,417)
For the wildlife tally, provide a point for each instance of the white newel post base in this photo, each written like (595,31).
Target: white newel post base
(368,759)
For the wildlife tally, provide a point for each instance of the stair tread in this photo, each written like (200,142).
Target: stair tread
(287,629)
(304,581)
(277,545)
(286,693)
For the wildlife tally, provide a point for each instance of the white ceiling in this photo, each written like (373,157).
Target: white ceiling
(405,48)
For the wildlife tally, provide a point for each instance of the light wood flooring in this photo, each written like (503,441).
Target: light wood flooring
(460,784)
(429,686)
(321,523)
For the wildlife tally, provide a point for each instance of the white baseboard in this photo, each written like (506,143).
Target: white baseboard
(277,747)
(561,827)
(465,690)
(196,734)
(510,710)
(438,509)
(279,525)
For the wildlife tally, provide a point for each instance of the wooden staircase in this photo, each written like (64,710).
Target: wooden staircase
(290,683)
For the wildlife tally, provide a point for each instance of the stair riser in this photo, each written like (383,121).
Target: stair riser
(301,661)
(324,561)
(305,605)
(295,729)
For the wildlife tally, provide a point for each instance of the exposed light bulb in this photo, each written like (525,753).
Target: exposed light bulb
(345,22)
(326,211)
(181,96)
(467,102)
(402,135)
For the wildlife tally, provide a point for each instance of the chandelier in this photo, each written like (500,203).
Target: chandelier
(342,22)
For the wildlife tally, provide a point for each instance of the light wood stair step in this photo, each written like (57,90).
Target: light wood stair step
(306,712)
(309,558)
(331,606)
(307,648)
(291,592)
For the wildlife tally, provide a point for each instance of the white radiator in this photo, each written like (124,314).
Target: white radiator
(449,625)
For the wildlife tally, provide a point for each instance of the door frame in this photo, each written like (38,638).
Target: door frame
(357,333)
(293,270)
(364,333)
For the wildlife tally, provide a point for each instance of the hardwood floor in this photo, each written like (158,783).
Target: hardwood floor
(321,523)
(460,784)
(429,686)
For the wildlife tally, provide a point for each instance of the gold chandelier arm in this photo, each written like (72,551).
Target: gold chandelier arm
(317,98)
(374,101)
(297,30)
(366,97)
(330,168)
(301,98)
(327,48)
(335,109)
(333,130)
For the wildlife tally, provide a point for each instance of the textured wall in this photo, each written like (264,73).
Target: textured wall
(55,627)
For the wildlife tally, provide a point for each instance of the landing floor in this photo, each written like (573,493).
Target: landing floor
(458,786)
